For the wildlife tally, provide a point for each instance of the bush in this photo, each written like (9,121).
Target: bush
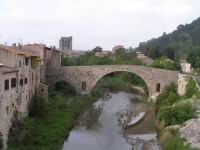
(178,114)
(191,88)
(163,63)
(37,107)
(176,143)
(65,87)
(1,142)
(168,96)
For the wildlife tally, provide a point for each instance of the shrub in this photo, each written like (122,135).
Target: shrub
(168,96)
(37,107)
(1,142)
(65,88)
(176,114)
(191,88)
(34,62)
(176,143)
(163,63)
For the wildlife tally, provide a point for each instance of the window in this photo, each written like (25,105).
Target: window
(25,81)
(158,87)
(7,109)
(21,82)
(26,61)
(20,63)
(13,82)
(83,86)
(6,85)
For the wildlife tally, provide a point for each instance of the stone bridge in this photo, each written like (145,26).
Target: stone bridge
(84,78)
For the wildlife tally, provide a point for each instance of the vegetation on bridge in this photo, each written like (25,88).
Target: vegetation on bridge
(122,56)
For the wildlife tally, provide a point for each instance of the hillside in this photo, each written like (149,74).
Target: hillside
(176,44)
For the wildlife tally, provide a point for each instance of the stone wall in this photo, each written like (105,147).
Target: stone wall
(8,104)
(90,75)
(16,99)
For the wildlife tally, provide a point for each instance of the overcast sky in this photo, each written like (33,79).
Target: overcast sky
(104,23)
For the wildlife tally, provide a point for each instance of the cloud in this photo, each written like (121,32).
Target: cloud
(92,22)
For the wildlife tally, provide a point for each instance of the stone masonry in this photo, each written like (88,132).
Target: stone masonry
(88,76)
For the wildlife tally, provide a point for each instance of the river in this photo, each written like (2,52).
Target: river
(103,126)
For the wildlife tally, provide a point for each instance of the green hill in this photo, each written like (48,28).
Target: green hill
(176,44)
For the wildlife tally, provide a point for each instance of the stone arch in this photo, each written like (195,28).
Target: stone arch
(113,71)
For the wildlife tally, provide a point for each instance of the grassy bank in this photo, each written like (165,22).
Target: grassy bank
(49,124)
(49,131)
(173,109)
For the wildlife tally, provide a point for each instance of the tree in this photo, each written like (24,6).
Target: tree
(97,49)
(1,141)
(194,58)
(169,53)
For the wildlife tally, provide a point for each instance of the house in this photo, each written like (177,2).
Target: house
(19,81)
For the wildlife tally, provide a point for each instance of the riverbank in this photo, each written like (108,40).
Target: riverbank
(175,117)
(51,129)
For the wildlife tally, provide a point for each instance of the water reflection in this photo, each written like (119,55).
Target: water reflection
(99,127)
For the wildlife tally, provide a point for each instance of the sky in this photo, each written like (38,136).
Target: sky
(92,23)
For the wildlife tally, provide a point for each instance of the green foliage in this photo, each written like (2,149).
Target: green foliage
(194,58)
(86,60)
(34,62)
(168,111)
(65,88)
(191,88)
(164,63)
(49,133)
(37,107)
(97,49)
(177,114)
(176,143)
(1,143)
(168,96)
(175,44)
(122,56)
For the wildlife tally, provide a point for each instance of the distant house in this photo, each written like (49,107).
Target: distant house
(144,59)
(116,48)
(72,53)
(103,53)
(186,67)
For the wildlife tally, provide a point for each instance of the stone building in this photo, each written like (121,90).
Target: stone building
(144,59)
(186,67)
(114,49)
(19,80)
(103,53)
(42,51)
(65,43)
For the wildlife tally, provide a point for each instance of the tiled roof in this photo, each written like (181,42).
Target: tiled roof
(6,69)
(37,45)
(18,51)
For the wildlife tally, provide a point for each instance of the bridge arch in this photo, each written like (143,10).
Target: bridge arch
(95,82)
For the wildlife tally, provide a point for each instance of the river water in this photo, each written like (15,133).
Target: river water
(103,126)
